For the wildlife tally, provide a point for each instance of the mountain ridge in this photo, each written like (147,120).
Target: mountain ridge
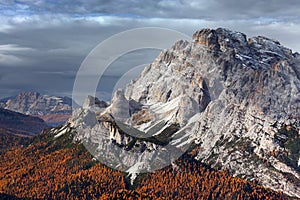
(54,110)
(17,128)
(231,95)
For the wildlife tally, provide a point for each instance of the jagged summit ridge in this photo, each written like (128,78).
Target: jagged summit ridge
(255,52)
(237,98)
(220,53)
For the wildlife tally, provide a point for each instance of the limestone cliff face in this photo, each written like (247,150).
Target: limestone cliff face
(95,103)
(238,99)
(246,90)
(120,106)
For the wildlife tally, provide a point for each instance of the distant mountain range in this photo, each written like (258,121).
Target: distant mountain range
(27,114)
(54,110)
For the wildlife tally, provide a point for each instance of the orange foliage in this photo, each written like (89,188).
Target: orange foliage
(34,172)
(54,169)
(192,180)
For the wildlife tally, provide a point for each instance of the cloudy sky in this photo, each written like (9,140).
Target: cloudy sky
(43,42)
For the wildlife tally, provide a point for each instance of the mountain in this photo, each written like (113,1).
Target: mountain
(58,168)
(54,110)
(236,99)
(248,96)
(216,117)
(16,128)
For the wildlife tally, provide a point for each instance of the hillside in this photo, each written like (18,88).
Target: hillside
(16,128)
(58,168)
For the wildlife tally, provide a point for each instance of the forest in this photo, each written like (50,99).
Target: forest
(60,169)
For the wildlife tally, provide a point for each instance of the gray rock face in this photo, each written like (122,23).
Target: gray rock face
(237,98)
(33,103)
(187,108)
(242,87)
(91,101)
(120,106)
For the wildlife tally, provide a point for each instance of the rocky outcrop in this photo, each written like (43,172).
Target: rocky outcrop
(208,38)
(120,106)
(94,102)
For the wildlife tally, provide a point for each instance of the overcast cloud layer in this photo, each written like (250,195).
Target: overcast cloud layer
(43,42)
(197,9)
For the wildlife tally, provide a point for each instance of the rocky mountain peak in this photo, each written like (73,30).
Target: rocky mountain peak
(258,50)
(238,99)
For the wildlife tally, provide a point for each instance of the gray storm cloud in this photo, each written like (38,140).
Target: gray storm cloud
(230,9)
